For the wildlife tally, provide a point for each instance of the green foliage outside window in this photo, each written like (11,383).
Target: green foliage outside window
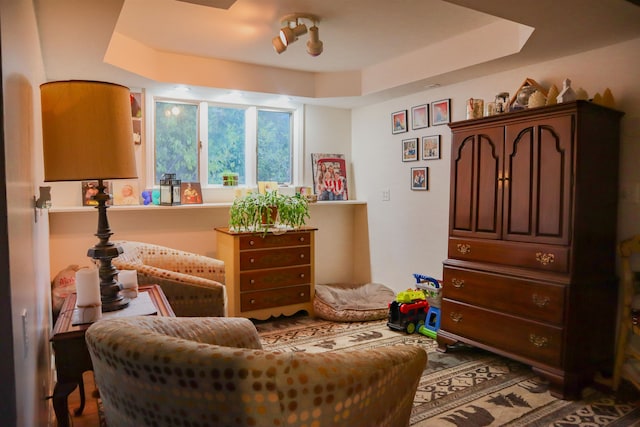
(176,140)
(226,143)
(274,146)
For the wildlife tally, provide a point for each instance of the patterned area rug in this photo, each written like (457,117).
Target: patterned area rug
(465,387)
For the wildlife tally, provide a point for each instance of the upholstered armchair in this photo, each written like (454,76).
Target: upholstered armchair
(192,283)
(163,371)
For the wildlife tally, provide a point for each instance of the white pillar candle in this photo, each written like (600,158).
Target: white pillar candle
(128,278)
(88,287)
(129,281)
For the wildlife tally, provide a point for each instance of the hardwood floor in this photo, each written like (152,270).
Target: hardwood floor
(89,417)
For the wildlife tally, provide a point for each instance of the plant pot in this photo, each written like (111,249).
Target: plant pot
(269,217)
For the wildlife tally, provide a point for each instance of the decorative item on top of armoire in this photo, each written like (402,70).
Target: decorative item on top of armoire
(552,95)
(520,99)
(531,268)
(567,94)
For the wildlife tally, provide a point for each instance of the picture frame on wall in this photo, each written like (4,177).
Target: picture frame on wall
(399,122)
(410,150)
(420,116)
(431,147)
(420,178)
(441,112)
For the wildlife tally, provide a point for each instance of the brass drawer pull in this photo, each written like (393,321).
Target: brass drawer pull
(464,248)
(301,294)
(252,260)
(301,239)
(302,275)
(455,316)
(301,256)
(252,301)
(540,301)
(252,281)
(457,283)
(538,341)
(545,259)
(251,243)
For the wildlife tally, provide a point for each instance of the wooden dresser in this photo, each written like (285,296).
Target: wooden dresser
(268,275)
(530,272)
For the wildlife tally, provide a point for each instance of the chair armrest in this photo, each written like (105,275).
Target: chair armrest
(184,262)
(187,299)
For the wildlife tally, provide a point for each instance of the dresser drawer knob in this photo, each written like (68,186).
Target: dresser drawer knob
(301,239)
(464,248)
(301,294)
(252,301)
(251,243)
(252,260)
(302,275)
(540,301)
(455,316)
(301,256)
(538,341)
(457,283)
(252,281)
(545,259)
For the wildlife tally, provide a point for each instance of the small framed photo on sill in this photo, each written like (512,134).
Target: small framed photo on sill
(410,150)
(441,112)
(420,116)
(431,147)
(399,122)
(420,179)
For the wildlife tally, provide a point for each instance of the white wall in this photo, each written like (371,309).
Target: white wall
(340,226)
(22,73)
(408,234)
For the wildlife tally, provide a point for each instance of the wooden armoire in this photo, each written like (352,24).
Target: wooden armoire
(530,273)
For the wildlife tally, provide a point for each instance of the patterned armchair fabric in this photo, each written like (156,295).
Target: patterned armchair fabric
(192,283)
(162,371)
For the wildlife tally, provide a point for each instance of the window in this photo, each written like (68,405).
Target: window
(256,143)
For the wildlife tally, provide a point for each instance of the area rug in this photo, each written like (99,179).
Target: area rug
(465,387)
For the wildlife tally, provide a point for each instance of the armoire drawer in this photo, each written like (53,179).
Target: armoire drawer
(528,255)
(514,335)
(254,280)
(275,297)
(529,299)
(272,258)
(256,241)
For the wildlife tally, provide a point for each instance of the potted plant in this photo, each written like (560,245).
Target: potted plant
(263,212)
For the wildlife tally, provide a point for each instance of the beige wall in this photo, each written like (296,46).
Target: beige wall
(22,73)
(409,233)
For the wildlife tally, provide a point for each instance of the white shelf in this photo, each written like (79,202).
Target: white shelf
(220,205)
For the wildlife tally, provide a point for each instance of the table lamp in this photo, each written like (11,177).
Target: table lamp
(87,134)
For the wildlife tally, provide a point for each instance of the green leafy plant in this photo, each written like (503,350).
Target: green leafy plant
(262,212)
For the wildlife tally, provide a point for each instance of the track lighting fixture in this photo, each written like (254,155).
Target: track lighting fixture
(292,29)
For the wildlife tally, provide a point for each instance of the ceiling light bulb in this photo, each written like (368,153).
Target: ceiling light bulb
(314,45)
(278,45)
(290,34)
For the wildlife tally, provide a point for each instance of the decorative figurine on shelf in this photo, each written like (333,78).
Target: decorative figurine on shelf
(537,99)
(567,94)
(146,197)
(607,98)
(502,102)
(552,95)
(582,94)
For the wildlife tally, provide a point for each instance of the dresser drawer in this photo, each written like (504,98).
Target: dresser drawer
(529,255)
(256,241)
(511,334)
(526,298)
(272,258)
(274,278)
(275,297)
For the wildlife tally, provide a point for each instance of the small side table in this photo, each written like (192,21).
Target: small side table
(72,356)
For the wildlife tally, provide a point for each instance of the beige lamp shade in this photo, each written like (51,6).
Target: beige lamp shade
(87,131)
